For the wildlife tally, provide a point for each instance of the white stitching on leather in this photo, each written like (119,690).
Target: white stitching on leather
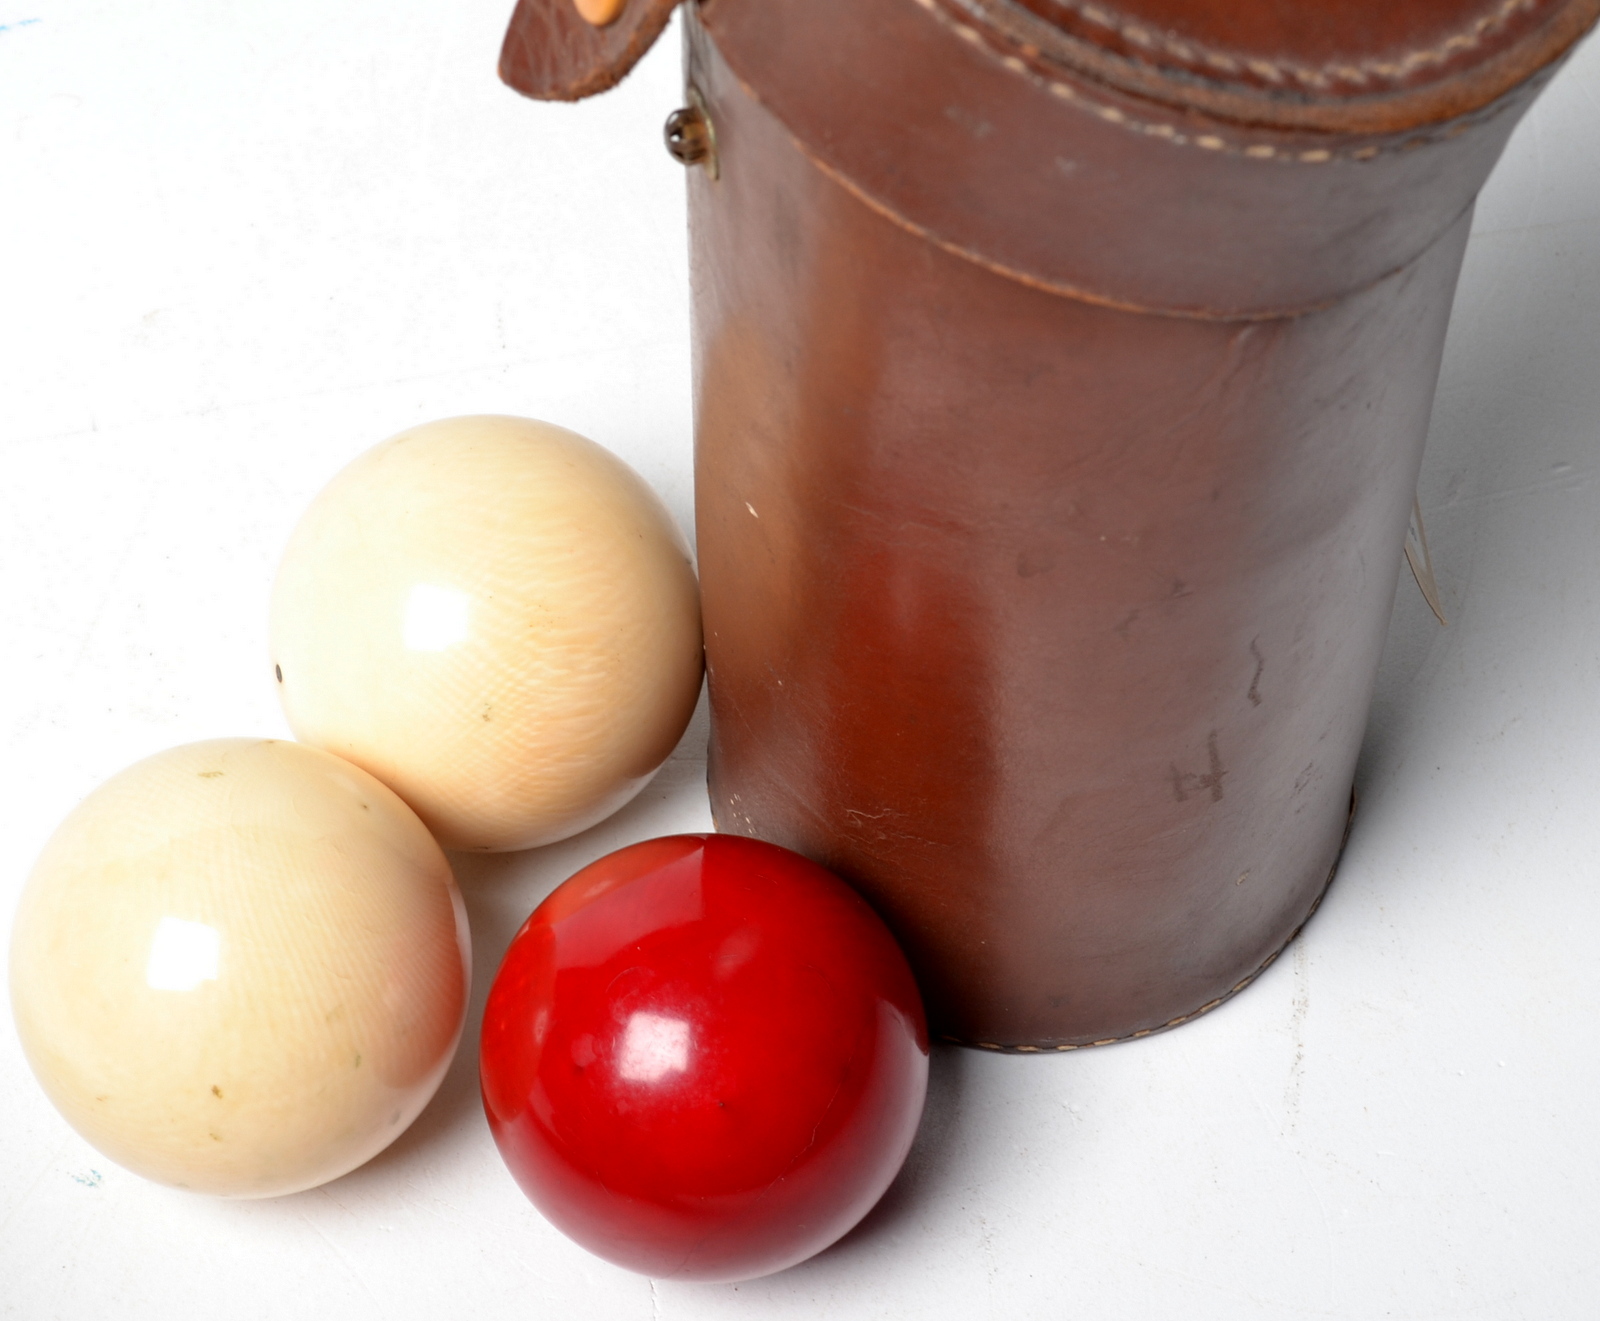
(1206,141)
(1311,75)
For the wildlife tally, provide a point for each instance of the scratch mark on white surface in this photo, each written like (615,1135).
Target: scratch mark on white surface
(1585,91)
(342,1260)
(427,1199)
(1536,124)
(333,1201)
(111,589)
(1297,1029)
(643,346)
(49,1164)
(1481,236)
(986,1244)
(1327,1225)
(1281,1305)
(21,23)
(655,1302)
(1562,477)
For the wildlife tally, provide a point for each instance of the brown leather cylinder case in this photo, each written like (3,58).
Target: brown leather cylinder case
(1061,382)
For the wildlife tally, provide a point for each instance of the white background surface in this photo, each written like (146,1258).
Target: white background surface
(239,243)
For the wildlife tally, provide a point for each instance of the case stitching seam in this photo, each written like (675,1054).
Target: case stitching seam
(1193,1013)
(1319,76)
(1205,141)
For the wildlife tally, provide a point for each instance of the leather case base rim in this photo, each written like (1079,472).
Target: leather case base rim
(1051,1047)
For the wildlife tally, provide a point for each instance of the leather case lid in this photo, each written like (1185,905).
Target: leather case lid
(1362,66)
(1059,180)
(1354,66)
(1101,169)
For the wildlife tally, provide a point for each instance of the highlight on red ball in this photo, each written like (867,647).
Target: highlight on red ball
(704,1057)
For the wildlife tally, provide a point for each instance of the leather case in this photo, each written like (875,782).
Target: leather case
(1062,374)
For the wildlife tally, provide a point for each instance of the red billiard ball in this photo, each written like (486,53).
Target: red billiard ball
(704,1057)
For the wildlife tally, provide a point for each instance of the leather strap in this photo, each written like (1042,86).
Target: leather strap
(553,54)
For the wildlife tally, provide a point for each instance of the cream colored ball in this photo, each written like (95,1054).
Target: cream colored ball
(240,967)
(497,618)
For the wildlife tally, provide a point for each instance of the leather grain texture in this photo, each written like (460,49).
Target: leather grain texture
(1061,378)
(1050,626)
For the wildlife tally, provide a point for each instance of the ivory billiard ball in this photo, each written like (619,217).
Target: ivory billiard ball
(240,967)
(496,617)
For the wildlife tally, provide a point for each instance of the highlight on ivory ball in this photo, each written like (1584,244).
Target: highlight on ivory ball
(496,617)
(240,967)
